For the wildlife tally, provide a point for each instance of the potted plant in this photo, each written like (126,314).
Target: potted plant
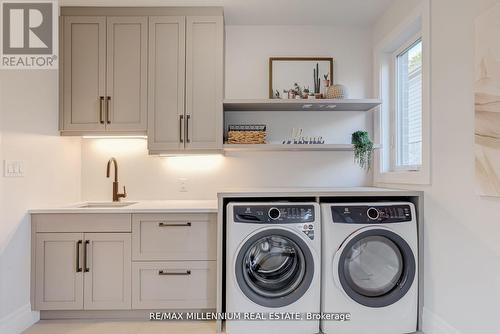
(363,149)
(306,92)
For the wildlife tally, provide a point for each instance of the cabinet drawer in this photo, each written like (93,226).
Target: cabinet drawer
(174,285)
(84,222)
(174,237)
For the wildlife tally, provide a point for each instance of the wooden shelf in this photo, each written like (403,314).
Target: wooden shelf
(300,105)
(289,147)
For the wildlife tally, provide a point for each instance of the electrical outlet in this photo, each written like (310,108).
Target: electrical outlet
(13,168)
(183,184)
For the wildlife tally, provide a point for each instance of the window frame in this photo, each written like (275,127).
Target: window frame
(415,23)
(394,167)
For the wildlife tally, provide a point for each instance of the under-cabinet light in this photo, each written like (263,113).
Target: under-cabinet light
(114,137)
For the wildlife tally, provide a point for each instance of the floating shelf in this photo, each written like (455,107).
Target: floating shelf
(289,147)
(301,105)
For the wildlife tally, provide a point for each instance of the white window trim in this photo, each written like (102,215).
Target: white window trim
(416,24)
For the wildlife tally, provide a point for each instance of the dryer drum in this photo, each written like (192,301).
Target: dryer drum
(376,268)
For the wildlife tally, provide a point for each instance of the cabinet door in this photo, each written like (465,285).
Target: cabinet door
(108,271)
(58,271)
(204,71)
(126,74)
(166,83)
(84,73)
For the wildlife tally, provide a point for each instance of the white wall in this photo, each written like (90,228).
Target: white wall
(462,252)
(248,49)
(29,118)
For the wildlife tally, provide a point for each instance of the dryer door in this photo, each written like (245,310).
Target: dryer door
(375,267)
(274,267)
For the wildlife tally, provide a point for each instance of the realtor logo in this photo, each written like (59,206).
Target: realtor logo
(29,35)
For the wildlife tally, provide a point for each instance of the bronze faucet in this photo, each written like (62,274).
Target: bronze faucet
(116,195)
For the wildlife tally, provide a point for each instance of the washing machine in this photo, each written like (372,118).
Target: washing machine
(273,267)
(369,271)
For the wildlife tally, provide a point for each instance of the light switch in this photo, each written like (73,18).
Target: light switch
(13,168)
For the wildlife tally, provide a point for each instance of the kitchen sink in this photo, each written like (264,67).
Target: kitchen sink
(93,205)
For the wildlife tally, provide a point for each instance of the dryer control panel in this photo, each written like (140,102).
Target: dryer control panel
(371,214)
(274,214)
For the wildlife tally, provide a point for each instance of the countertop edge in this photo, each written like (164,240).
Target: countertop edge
(119,211)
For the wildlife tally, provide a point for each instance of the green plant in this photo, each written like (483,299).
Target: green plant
(316,78)
(363,149)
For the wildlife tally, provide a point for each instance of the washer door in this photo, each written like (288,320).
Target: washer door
(274,267)
(376,267)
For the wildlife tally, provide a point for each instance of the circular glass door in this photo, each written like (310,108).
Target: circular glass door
(274,268)
(376,268)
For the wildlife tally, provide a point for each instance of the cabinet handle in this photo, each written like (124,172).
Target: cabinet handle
(108,98)
(78,268)
(101,101)
(85,255)
(174,273)
(188,117)
(165,224)
(181,119)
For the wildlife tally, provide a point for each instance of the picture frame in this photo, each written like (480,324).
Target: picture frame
(281,66)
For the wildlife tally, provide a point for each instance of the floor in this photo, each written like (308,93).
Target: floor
(120,327)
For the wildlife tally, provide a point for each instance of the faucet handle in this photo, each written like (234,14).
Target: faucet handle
(124,192)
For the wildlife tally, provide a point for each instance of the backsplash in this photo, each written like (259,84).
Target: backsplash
(152,177)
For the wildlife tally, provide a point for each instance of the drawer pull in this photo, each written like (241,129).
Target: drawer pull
(165,224)
(174,273)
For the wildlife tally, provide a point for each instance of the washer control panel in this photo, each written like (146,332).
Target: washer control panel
(368,214)
(274,214)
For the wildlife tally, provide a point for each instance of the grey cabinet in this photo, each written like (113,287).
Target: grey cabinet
(83,80)
(185,84)
(166,83)
(135,71)
(87,261)
(107,284)
(59,271)
(104,75)
(83,271)
(204,71)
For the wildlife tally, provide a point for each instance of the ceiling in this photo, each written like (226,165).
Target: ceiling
(272,12)
(304,12)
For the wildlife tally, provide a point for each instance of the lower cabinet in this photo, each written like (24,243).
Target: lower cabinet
(59,271)
(83,271)
(124,261)
(107,283)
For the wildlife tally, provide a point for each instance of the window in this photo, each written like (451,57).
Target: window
(402,127)
(407,139)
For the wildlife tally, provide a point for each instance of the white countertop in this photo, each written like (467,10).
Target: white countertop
(313,192)
(210,206)
(166,206)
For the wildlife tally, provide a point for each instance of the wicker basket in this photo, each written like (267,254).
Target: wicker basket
(246,134)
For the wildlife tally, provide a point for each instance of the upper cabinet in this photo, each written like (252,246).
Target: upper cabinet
(154,71)
(185,84)
(104,81)
(83,80)
(126,73)
(204,71)
(167,45)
